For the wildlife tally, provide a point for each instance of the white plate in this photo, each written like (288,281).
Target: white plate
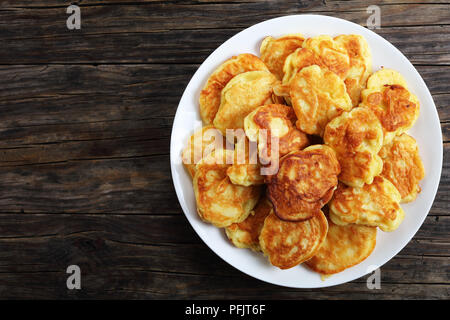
(426,131)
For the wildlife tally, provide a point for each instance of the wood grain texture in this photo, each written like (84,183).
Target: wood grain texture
(85,123)
(162,32)
(118,252)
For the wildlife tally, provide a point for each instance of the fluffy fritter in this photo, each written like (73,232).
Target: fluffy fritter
(311,54)
(278,121)
(245,174)
(402,166)
(274,51)
(360,64)
(318,95)
(219,201)
(305,182)
(288,244)
(359,168)
(200,144)
(388,96)
(210,95)
(357,130)
(357,137)
(385,77)
(344,247)
(295,62)
(246,169)
(348,56)
(244,93)
(375,204)
(332,53)
(246,234)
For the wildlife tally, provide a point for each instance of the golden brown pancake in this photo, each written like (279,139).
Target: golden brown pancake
(402,166)
(375,204)
(201,143)
(294,63)
(344,247)
(347,56)
(318,95)
(388,96)
(305,182)
(211,93)
(275,51)
(357,137)
(278,121)
(288,243)
(243,94)
(246,234)
(360,64)
(332,53)
(359,168)
(219,201)
(385,77)
(245,170)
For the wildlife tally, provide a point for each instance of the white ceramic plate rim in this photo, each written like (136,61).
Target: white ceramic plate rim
(431,152)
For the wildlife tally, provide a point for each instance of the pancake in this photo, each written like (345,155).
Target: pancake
(375,204)
(278,121)
(322,51)
(201,143)
(275,51)
(360,64)
(403,167)
(246,233)
(245,170)
(357,137)
(388,96)
(288,244)
(344,247)
(245,174)
(219,201)
(210,95)
(295,62)
(359,168)
(244,93)
(305,182)
(385,77)
(332,53)
(318,95)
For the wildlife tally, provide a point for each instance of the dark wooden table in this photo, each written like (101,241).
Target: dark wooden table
(85,123)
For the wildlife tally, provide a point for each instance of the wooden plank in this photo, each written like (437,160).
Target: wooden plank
(162,32)
(79,94)
(134,229)
(134,253)
(116,92)
(422,45)
(445,131)
(442,102)
(334,5)
(142,284)
(164,16)
(125,184)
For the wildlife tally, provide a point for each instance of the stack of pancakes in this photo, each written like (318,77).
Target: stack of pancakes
(321,158)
